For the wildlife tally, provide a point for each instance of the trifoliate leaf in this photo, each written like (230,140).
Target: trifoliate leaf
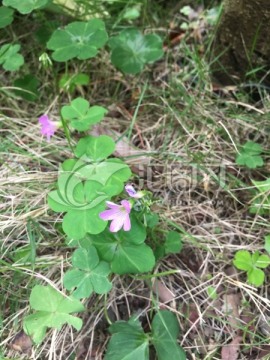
(78,40)
(96,148)
(250,155)
(243,260)
(9,57)
(88,274)
(125,252)
(6,16)
(25,6)
(128,341)
(85,184)
(69,82)
(52,310)
(131,50)
(165,330)
(81,116)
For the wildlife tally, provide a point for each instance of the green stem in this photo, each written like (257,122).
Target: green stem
(149,276)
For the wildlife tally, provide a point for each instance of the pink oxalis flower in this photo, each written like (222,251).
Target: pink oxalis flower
(119,214)
(132,192)
(48,127)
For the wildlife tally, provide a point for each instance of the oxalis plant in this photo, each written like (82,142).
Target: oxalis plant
(107,221)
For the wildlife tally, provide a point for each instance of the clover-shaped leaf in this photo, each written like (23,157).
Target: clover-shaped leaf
(83,188)
(73,197)
(25,6)
(81,116)
(52,310)
(9,57)
(126,251)
(78,40)
(95,148)
(165,330)
(128,341)
(88,274)
(6,16)
(250,155)
(131,50)
(252,264)
(69,82)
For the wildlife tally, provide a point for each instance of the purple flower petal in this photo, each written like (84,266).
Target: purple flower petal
(116,224)
(112,205)
(127,224)
(126,205)
(48,127)
(107,214)
(119,214)
(130,190)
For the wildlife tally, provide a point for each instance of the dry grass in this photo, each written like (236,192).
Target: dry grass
(191,137)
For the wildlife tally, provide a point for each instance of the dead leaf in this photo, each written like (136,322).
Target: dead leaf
(22,343)
(164,294)
(231,351)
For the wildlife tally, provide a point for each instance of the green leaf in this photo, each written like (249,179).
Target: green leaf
(77,223)
(131,50)
(25,6)
(152,220)
(6,16)
(96,148)
(81,116)
(255,277)
(132,13)
(250,155)
(69,82)
(9,57)
(44,32)
(173,243)
(128,342)
(251,147)
(132,259)
(53,310)
(263,261)
(245,261)
(28,87)
(83,187)
(90,274)
(267,243)
(78,40)
(262,186)
(126,253)
(211,292)
(242,260)
(165,330)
